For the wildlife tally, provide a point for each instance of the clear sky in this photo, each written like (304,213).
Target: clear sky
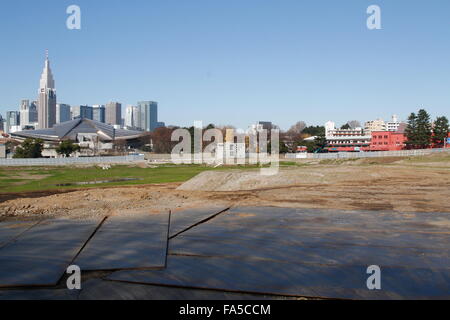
(233,61)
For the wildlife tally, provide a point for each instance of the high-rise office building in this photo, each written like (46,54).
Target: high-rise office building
(148,115)
(28,114)
(33,114)
(82,112)
(132,117)
(12,121)
(98,112)
(63,113)
(2,125)
(47,98)
(25,112)
(113,113)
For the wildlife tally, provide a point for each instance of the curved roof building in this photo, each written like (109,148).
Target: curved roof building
(71,130)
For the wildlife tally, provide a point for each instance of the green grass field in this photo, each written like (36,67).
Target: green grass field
(23,179)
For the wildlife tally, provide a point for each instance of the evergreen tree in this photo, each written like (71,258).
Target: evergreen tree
(424,130)
(30,148)
(320,142)
(67,147)
(411,131)
(440,130)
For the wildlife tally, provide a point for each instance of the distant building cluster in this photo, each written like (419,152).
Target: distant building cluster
(46,112)
(377,135)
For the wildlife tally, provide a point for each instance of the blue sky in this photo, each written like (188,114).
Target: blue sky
(234,61)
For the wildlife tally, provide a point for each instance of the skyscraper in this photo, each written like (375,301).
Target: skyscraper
(63,113)
(33,114)
(82,112)
(25,112)
(132,117)
(113,113)
(148,115)
(12,121)
(47,98)
(28,114)
(98,113)
(2,127)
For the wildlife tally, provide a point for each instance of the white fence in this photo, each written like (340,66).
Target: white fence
(375,154)
(70,161)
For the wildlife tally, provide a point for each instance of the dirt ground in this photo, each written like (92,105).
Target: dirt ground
(393,184)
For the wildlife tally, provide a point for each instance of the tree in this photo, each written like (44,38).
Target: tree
(411,131)
(283,148)
(320,142)
(418,131)
(424,130)
(314,130)
(67,147)
(162,140)
(297,128)
(345,127)
(354,124)
(30,148)
(440,130)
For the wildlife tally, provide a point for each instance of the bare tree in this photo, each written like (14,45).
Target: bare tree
(298,127)
(354,124)
(162,140)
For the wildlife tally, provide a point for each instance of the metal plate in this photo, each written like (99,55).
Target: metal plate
(273,277)
(39,294)
(96,289)
(183,220)
(313,253)
(11,230)
(40,256)
(127,243)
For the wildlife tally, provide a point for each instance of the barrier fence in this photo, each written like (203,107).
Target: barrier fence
(166,159)
(69,161)
(375,154)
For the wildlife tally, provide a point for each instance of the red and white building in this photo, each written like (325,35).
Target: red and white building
(358,139)
(346,140)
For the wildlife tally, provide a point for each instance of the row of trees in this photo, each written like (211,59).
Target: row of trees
(421,133)
(32,148)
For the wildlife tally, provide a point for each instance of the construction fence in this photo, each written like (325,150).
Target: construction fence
(71,161)
(375,154)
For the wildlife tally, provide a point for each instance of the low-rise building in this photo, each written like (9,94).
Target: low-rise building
(394,124)
(387,141)
(229,151)
(374,125)
(345,140)
(92,136)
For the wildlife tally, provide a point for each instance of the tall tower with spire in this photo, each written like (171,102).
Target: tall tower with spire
(47,98)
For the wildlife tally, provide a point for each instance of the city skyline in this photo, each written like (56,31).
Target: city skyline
(256,62)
